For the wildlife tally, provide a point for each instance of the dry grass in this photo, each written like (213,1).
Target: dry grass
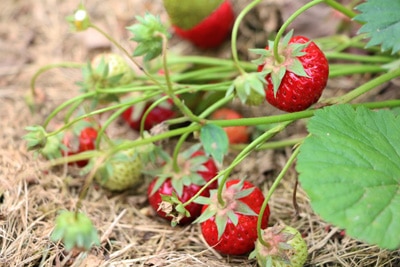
(34,33)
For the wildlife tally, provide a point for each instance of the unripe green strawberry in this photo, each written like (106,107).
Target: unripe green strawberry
(106,70)
(286,248)
(121,171)
(118,72)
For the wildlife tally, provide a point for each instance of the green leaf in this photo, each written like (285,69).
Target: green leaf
(215,141)
(350,168)
(382,23)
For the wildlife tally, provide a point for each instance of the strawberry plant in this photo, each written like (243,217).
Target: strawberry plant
(348,164)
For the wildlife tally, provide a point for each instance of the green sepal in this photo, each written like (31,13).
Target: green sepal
(147,34)
(221,222)
(297,68)
(76,230)
(276,78)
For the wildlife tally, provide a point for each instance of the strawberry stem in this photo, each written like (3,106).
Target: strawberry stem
(49,67)
(362,89)
(203,115)
(170,91)
(341,8)
(246,151)
(235,29)
(282,30)
(277,181)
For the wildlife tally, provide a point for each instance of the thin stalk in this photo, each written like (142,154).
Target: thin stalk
(49,67)
(359,58)
(247,150)
(344,70)
(203,115)
(272,144)
(371,84)
(341,8)
(235,29)
(65,104)
(122,49)
(277,181)
(169,90)
(282,30)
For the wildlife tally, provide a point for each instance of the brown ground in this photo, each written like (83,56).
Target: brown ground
(33,34)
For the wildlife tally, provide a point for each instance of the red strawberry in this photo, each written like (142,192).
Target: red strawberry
(297,82)
(134,115)
(232,228)
(206,24)
(196,170)
(79,140)
(236,134)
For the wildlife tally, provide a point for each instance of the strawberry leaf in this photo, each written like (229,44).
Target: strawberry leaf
(349,166)
(382,23)
(215,141)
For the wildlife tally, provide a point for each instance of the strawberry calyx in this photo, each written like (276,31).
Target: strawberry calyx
(228,210)
(249,88)
(147,33)
(187,174)
(76,230)
(283,244)
(286,60)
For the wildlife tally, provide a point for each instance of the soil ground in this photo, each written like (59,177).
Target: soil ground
(34,34)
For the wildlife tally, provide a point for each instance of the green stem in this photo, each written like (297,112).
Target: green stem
(341,8)
(209,61)
(246,151)
(71,101)
(196,127)
(359,58)
(235,29)
(49,67)
(203,115)
(281,31)
(271,191)
(371,84)
(272,144)
(121,48)
(348,69)
(170,91)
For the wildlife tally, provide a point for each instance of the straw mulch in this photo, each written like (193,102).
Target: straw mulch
(34,33)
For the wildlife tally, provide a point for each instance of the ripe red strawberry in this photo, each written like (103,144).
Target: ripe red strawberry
(286,248)
(134,115)
(297,82)
(236,134)
(232,229)
(206,24)
(196,170)
(81,138)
